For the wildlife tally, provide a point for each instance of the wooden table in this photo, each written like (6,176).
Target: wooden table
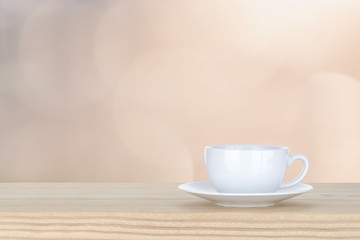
(160,211)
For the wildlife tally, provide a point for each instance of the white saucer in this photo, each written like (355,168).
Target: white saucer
(205,190)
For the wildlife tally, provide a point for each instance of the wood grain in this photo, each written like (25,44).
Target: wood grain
(160,211)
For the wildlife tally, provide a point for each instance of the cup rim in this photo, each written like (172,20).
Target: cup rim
(246,147)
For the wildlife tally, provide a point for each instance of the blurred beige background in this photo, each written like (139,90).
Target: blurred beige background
(133,90)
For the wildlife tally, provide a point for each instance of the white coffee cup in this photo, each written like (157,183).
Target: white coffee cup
(250,168)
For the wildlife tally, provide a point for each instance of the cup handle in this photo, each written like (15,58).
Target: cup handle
(291,159)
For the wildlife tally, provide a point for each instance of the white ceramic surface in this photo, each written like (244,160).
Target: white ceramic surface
(250,168)
(206,191)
